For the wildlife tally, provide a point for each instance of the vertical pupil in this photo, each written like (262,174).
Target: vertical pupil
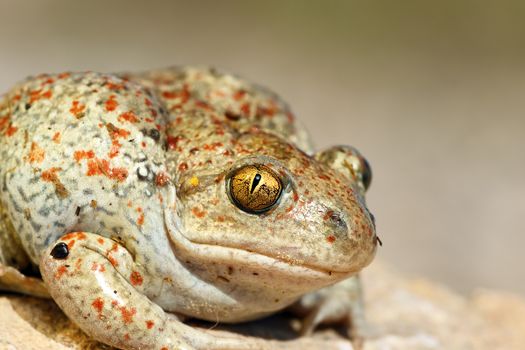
(255,182)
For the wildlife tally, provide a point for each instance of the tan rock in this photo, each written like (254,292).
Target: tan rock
(403,315)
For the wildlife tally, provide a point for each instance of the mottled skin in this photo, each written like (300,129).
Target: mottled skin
(130,172)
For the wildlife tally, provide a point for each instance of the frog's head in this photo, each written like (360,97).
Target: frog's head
(272,216)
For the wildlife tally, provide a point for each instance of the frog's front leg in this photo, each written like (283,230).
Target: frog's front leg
(97,284)
(341,303)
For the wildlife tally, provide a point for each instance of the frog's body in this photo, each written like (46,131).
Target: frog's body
(127,177)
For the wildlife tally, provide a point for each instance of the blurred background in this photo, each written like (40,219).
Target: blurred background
(432,93)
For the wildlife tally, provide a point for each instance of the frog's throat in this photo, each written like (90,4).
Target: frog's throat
(225,254)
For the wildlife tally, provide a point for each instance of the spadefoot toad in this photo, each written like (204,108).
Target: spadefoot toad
(145,198)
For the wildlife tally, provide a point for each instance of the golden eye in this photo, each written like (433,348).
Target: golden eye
(255,188)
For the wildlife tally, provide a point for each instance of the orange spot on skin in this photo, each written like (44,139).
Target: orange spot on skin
(114,247)
(198,213)
(77,264)
(113,86)
(56,137)
(79,155)
(150,324)
(128,116)
(238,95)
(183,167)
(120,174)
(48,81)
(184,95)
(203,105)
(78,235)
(64,75)
(245,109)
(140,220)
(330,239)
(328,215)
(36,154)
(101,167)
(71,244)
(114,150)
(77,109)
(161,179)
(50,175)
(172,142)
(70,235)
(98,304)
(100,241)
(98,267)
(212,147)
(38,95)
(164,348)
(220,218)
(112,260)
(4,121)
(324,177)
(126,336)
(111,104)
(115,132)
(60,272)
(11,130)
(135,278)
(127,315)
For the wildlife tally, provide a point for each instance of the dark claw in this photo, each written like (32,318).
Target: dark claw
(60,251)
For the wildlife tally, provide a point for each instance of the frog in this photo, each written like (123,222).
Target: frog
(137,201)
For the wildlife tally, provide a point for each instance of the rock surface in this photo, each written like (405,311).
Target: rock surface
(403,314)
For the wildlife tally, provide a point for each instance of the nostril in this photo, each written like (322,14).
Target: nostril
(336,218)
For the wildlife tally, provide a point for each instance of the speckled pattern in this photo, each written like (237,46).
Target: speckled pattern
(129,173)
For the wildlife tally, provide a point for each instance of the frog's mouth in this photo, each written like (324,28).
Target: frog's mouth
(250,259)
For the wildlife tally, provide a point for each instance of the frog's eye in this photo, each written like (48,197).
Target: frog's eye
(366,173)
(254,188)
(349,161)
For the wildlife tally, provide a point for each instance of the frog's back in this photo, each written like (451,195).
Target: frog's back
(91,152)
(78,151)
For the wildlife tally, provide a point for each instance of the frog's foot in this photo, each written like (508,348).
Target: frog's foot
(340,304)
(14,281)
(96,282)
